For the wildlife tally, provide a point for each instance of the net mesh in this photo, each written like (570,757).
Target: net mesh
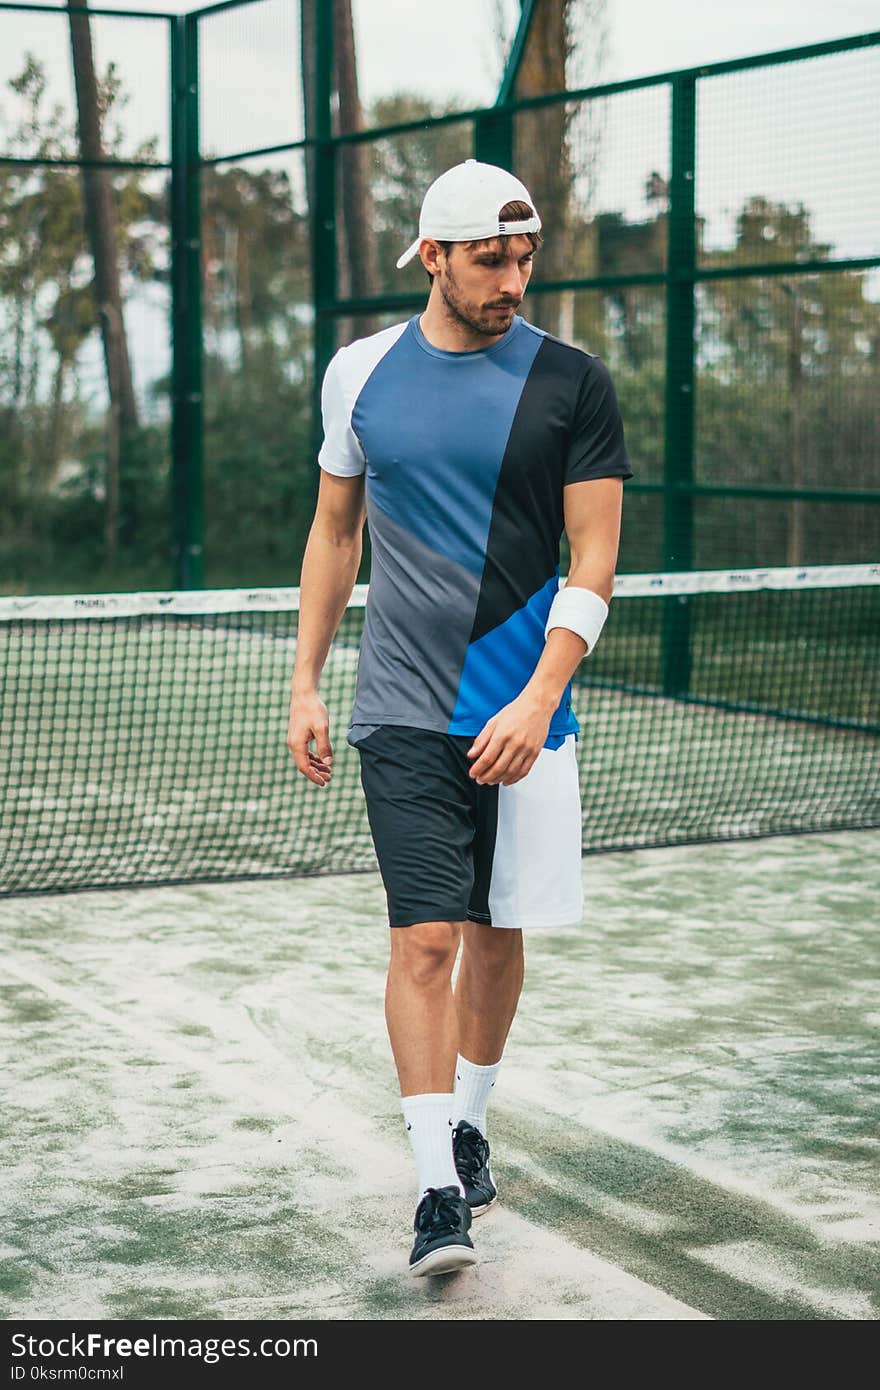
(143,736)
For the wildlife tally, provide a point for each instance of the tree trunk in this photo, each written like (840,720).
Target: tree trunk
(542,156)
(52,451)
(100,213)
(307,34)
(244,314)
(356,255)
(358,268)
(114,433)
(795,547)
(24,521)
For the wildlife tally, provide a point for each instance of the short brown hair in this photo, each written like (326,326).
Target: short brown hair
(511,212)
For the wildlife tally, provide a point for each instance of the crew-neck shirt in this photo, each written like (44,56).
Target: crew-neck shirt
(466,457)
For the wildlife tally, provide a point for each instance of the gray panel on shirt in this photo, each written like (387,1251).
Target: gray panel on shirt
(438,622)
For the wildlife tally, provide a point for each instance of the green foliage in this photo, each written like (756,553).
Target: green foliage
(259,474)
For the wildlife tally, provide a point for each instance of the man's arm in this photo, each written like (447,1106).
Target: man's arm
(506,748)
(329,570)
(592,524)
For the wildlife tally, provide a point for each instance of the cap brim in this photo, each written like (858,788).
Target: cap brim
(409,253)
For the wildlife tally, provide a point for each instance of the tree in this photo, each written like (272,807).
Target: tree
(788,366)
(403,168)
(356,263)
(101,225)
(358,271)
(49,308)
(563,34)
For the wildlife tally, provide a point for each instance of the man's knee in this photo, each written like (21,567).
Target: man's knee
(492,949)
(426,951)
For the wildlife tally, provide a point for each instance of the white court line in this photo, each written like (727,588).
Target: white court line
(755,1263)
(597,1114)
(179,1055)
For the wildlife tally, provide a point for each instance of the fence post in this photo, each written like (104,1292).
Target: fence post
(493,132)
(186,492)
(323,218)
(678,469)
(493,138)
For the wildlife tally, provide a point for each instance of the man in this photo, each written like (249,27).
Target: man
(469,438)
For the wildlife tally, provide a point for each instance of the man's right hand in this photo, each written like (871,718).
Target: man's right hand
(309,722)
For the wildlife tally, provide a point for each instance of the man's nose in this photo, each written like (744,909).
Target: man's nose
(511,281)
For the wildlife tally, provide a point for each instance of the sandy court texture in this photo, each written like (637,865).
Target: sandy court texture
(201,1116)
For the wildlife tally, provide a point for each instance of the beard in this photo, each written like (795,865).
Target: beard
(477,317)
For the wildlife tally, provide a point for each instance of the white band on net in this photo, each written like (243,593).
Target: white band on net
(581,610)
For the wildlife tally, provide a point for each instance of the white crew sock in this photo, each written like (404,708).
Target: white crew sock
(473,1087)
(429,1125)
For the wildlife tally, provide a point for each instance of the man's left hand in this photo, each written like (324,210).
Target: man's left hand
(510,741)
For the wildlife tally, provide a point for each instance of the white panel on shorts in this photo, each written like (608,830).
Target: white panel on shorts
(536,867)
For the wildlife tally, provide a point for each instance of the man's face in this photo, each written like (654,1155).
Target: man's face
(483,284)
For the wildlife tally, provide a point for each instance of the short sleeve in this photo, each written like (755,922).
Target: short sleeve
(596,445)
(340,452)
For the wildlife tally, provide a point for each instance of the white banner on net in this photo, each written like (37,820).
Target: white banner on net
(46,607)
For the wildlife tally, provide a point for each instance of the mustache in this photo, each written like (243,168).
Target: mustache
(507,304)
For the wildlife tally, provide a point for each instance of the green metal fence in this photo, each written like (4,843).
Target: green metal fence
(713,233)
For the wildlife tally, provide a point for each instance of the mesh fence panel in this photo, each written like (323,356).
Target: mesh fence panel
(84,485)
(598,169)
(400,169)
(85,492)
(250,80)
(798,135)
(788,383)
(38,106)
(258,363)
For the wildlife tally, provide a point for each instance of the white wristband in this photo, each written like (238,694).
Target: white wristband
(581,610)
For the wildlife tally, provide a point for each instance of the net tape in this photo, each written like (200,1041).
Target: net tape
(206,601)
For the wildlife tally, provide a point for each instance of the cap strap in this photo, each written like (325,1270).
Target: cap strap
(531,224)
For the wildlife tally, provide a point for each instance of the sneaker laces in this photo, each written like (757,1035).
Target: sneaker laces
(439,1212)
(471,1152)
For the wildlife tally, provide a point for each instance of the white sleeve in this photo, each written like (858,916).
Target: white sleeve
(340,453)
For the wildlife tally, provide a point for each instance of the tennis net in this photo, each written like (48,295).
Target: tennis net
(143,735)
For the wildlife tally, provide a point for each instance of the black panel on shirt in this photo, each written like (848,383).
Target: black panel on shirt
(596,448)
(566,428)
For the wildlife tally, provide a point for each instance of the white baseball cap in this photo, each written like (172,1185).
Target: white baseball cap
(463,205)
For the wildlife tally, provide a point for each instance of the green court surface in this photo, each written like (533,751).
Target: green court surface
(202,1117)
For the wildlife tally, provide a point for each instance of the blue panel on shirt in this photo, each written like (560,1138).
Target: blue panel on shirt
(505,658)
(434,426)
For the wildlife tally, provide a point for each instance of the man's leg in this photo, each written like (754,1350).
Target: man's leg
(486,996)
(419,803)
(487,990)
(419,1007)
(420,1013)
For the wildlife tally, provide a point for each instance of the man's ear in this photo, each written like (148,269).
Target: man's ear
(430,253)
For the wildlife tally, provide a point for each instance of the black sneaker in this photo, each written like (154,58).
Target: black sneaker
(441,1226)
(471,1154)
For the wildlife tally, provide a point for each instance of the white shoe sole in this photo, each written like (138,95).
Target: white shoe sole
(478,1211)
(445,1260)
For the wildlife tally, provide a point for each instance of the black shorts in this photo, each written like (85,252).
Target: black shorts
(450,849)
